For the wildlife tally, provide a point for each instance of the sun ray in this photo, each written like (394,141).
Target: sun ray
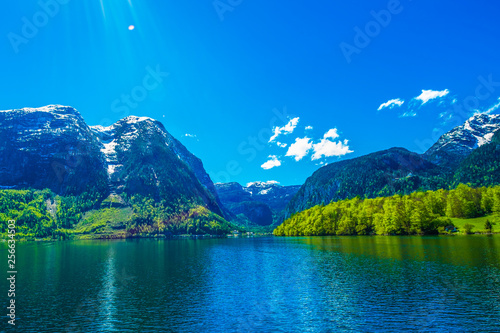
(102,8)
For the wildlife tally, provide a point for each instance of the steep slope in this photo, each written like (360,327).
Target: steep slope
(482,166)
(272,194)
(144,159)
(50,147)
(260,203)
(454,146)
(383,173)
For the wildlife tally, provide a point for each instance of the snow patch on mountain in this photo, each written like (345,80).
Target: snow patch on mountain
(478,130)
(263,184)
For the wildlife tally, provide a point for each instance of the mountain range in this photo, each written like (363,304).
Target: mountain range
(258,203)
(52,147)
(451,160)
(138,165)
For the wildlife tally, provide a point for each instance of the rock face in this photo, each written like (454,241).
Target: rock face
(272,194)
(141,156)
(454,146)
(52,147)
(261,203)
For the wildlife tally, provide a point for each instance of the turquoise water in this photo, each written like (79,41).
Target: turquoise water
(321,284)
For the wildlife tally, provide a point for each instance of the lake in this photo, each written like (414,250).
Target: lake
(270,284)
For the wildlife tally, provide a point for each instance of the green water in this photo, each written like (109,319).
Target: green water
(322,284)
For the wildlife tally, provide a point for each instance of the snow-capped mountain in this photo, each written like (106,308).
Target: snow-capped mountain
(49,147)
(271,193)
(454,146)
(397,170)
(52,147)
(120,136)
(262,203)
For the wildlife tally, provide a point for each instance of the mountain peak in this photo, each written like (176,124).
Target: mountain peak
(53,147)
(52,108)
(458,143)
(135,119)
(262,184)
(261,203)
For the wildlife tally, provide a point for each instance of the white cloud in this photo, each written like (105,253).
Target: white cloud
(391,104)
(428,95)
(409,113)
(493,107)
(287,129)
(309,127)
(300,148)
(282,145)
(329,148)
(190,135)
(326,147)
(332,133)
(271,163)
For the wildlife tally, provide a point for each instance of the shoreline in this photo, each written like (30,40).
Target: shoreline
(196,237)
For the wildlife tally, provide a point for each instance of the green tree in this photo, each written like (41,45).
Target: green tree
(489,226)
(468,228)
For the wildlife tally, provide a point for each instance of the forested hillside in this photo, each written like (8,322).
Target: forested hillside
(418,213)
(42,214)
(384,173)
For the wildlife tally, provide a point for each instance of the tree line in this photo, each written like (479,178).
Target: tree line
(419,213)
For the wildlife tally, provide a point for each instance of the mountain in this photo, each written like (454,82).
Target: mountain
(464,154)
(134,163)
(257,204)
(383,173)
(482,166)
(50,147)
(272,194)
(454,146)
(143,158)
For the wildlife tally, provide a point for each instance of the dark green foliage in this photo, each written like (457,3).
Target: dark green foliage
(482,166)
(488,225)
(468,228)
(417,213)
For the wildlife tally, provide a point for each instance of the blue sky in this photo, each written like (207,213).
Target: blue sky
(225,76)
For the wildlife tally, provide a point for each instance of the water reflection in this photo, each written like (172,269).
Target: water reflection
(108,293)
(321,284)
